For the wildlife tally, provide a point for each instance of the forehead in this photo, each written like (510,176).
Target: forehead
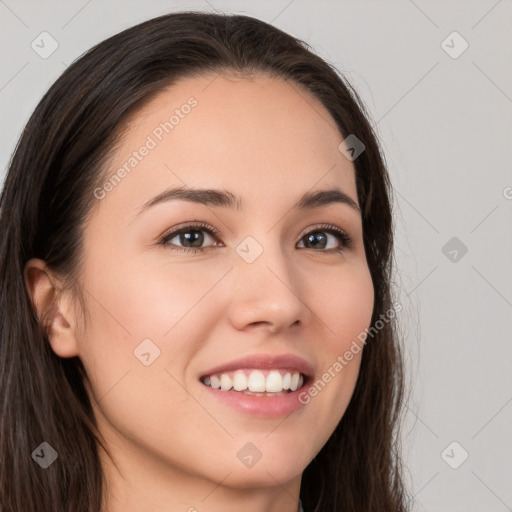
(254,135)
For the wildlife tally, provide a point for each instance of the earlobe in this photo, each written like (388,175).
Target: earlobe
(53,309)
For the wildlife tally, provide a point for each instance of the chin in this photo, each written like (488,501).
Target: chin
(262,475)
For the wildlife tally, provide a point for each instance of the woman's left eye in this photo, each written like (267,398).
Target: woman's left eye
(193,234)
(319,239)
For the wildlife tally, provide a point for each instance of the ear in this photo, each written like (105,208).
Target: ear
(52,308)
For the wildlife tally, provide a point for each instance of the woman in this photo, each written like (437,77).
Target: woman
(196,263)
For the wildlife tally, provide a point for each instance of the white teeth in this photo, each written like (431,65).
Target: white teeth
(215,382)
(274,382)
(255,381)
(225,382)
(286,381)
(239,381)
(294,384)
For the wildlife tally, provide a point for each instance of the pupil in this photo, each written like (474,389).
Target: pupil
(196,237)
(315,236)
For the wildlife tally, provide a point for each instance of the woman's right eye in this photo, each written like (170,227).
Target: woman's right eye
(189,234)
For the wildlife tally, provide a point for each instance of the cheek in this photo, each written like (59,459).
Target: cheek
(129,304)
(141,300)
(132,302)
(344,303)
(348,314)
(345,306)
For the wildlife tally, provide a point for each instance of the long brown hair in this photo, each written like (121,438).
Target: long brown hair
(48,193)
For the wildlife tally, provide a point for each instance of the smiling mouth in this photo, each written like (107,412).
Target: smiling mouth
(256,382)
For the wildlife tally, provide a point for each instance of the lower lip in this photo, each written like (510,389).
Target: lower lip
(260,406)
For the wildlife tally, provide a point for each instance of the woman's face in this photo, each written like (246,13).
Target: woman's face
(263,284)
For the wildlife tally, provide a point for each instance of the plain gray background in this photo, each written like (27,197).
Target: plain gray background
(444,119)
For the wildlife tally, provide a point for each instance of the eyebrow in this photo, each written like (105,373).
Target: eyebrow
(226,199)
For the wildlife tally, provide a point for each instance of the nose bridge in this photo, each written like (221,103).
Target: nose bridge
(267,289)
(261,255)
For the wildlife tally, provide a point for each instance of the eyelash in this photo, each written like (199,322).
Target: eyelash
(345,239)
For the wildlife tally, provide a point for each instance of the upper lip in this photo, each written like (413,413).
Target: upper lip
(265,362)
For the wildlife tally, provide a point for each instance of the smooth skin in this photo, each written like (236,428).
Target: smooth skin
(175,447)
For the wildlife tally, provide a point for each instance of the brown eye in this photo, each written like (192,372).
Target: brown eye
(318,239)
(190,237)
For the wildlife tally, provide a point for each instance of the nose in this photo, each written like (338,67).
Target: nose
(268,293)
